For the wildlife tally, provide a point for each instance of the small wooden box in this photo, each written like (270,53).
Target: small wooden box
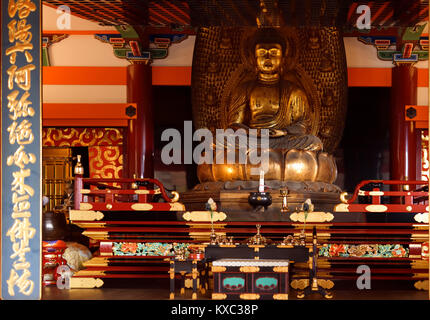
(250,279)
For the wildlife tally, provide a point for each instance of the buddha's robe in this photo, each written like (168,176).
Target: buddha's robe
(281,107)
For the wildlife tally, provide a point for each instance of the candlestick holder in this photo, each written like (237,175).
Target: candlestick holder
(284,194)
(258,239)
(79,169)
(289,241)
(213,236)
(302,238)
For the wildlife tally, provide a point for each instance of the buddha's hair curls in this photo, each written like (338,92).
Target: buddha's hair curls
(270,35)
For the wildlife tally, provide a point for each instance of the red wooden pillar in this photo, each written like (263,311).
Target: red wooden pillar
(140,135)
(403,143)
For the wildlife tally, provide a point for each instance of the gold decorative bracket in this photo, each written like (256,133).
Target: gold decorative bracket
(219,296)
(301,284)
(312,217)
(281,269)
(96,262)
(218,269)
(204,216)
(83,215)
(249,269)
(422,217)
(85,283)
(422,285)
(250,296)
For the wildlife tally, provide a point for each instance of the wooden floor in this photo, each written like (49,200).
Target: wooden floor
(159,290)
(53,293)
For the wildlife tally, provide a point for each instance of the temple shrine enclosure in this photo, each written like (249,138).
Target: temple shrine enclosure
(345,190)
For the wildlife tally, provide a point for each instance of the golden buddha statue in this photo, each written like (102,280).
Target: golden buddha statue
(271,102)
(272,78)
(265,81)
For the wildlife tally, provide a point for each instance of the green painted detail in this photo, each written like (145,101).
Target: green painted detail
(155,53)
(233,283)
(127,32)
(413,33)
(422,55)
(266,282)
(159,53)
(45,57)
(121,53)
(387,54)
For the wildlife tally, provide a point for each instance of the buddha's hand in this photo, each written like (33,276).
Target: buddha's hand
(258,131)
(242,129)
(274,133)
(298,128)
(236,126)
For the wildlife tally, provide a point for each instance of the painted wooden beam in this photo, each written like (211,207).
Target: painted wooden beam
(379,77)
(181,76)
(78,32)
(87,114)
(171,76)
(417,114)
(84,75)
(161,76)
(150,29)
(369,77)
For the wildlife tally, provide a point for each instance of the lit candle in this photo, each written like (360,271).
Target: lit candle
(261,186)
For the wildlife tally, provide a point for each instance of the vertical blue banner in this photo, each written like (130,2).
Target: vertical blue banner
(21,149)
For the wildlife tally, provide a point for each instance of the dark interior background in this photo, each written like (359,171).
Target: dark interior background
(363,152)
(172,106)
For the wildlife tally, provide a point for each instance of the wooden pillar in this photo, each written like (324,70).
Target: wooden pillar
(403,159)
(139,147)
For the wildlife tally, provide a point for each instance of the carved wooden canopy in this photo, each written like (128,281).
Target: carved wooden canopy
(244,12)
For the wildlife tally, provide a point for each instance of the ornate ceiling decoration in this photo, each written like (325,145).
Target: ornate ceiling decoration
(180,13)
(129,12)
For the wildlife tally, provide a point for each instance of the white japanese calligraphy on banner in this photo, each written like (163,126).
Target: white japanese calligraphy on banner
(21,125)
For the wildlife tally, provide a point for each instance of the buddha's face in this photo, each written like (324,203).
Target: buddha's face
(269,57)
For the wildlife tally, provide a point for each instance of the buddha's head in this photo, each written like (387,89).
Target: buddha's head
(269,48)
(268,57)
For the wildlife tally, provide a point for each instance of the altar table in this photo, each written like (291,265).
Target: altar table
(250,279)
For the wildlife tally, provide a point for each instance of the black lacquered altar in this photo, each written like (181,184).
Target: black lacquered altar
(243,251)
(253,271)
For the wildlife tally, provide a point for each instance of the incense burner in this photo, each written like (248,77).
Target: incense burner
(260,199)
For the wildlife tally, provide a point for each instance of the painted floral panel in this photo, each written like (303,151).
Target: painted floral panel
(147,248)
(364,250)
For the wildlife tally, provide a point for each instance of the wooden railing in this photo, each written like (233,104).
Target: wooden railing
(413,199)
(123,195)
